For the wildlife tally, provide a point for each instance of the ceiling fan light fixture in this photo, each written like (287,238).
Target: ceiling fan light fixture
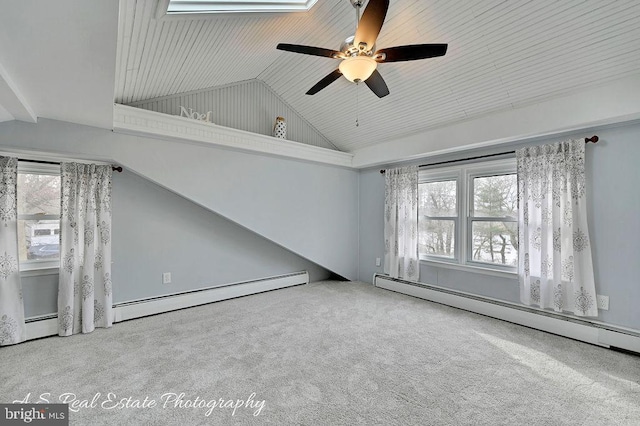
(358,52)
(358,68)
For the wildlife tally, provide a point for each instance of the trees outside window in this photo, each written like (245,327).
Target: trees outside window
(439,213)
(38,190)
(494,227)
(468,215)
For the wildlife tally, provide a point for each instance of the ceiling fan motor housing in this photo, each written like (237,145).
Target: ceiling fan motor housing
(350,49)
(359,60)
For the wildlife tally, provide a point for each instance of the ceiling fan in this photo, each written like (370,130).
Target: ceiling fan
(358,54)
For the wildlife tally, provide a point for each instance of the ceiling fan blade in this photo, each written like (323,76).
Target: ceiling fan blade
(410,52)
(310,50)
(371,23)
(377,85)
(325,82)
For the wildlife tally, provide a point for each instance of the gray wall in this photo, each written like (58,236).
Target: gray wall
(156,231)
(40,295)
(308,208)
(249,105)
(613,180)
(329,215)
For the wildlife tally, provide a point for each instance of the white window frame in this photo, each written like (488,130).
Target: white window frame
(39,267)
(440,176)
(464,175)
(496,168)
(181,7)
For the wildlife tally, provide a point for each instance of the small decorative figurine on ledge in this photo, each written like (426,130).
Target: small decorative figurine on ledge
(195,115)
(280,128)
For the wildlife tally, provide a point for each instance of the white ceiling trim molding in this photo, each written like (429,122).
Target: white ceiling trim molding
(612,103)
(12,100)
(142,122)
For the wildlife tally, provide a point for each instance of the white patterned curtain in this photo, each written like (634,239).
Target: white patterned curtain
(12,328)
(401,223)
(554,255)
(84,292)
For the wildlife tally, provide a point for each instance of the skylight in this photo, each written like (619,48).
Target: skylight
(219,6)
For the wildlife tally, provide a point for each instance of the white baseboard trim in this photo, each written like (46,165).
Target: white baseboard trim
(41,328)
(158,305)
(47,326)
(575,328)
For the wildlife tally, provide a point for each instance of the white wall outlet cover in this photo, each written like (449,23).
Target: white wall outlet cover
(377,261)
(602,302)
(166,278)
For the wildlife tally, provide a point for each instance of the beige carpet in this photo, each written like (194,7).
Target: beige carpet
(322,354)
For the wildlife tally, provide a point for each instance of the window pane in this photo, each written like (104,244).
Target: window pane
(495,242)
(495,196)
(38,194)
(436,237)
(39,239)
(438,198)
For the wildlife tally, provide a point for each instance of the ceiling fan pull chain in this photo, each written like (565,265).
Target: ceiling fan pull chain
(357,105)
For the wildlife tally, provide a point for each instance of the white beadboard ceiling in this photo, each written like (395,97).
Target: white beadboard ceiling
(502,54)
(70,59)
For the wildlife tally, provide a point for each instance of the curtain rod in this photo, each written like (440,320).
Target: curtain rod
(593,139)
(114,168)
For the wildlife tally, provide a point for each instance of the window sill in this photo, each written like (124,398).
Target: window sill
(33,271)
(469,268)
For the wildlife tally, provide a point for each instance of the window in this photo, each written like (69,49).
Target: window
(38,216)
(438,211)
(223,6)
(468,215)
(493,220)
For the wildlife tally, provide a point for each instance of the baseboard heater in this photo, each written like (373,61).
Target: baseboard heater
(595,332)
(48,325)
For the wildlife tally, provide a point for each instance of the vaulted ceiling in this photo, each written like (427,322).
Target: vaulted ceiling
(71,59)
(502,54)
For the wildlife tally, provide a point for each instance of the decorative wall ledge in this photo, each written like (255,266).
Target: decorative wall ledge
(131,120)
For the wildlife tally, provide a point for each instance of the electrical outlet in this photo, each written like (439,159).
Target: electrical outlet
(166,278)
(377,261)
(602,302)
